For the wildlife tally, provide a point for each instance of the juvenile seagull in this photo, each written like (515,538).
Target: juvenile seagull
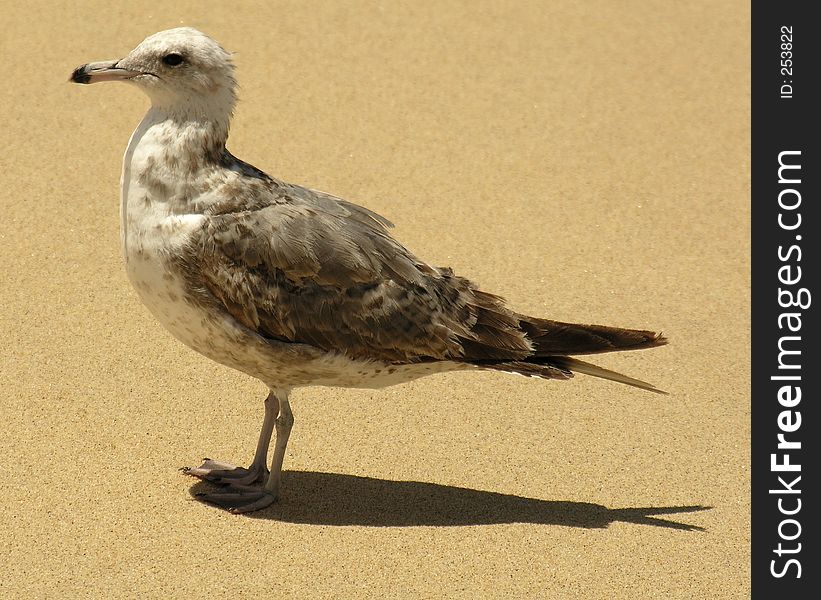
(290,285)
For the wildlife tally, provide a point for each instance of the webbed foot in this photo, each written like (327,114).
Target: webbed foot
(224,473)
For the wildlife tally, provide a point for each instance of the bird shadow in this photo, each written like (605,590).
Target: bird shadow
(315,498)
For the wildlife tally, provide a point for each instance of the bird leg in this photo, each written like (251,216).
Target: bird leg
(225,473)
(284,423)
(240,497)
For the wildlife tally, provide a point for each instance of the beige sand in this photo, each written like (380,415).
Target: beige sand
(587,160)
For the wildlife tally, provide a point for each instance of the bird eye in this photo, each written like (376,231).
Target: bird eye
(173,59)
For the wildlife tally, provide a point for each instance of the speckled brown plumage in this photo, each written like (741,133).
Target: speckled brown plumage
(301,266)
(293,286)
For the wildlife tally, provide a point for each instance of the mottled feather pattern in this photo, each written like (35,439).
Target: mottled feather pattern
(290,285)
(297,265)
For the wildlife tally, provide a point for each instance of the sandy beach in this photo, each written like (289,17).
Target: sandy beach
(587,161)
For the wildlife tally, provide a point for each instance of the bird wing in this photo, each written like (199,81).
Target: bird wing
(306,267)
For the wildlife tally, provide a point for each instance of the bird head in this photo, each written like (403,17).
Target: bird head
(179,67)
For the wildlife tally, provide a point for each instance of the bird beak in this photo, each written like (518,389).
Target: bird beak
(101,71)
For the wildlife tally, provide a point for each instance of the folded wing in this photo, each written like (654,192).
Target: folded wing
(309,268)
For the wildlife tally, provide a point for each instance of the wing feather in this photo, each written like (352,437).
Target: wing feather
(303,266)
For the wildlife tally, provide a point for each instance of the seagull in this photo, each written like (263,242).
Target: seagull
(291,285)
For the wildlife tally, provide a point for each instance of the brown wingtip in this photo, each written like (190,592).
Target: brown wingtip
(552,338)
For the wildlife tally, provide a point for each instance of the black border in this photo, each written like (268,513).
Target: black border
(780,124)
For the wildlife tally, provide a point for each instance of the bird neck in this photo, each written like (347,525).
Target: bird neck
(191,136)
(169,160)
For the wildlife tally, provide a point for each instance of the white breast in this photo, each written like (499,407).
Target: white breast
(157,222)
(151,236)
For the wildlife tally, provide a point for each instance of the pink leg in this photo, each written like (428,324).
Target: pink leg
(240,497)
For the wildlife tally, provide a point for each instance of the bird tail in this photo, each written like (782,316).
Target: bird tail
(550,338)
(575,365)
(563,367)
(553,340)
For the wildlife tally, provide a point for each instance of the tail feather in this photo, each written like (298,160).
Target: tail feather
(563,367)
(579,366)
(551,338)
(506,341)
(553,341)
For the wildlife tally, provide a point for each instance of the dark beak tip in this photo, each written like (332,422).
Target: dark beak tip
(80,75)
